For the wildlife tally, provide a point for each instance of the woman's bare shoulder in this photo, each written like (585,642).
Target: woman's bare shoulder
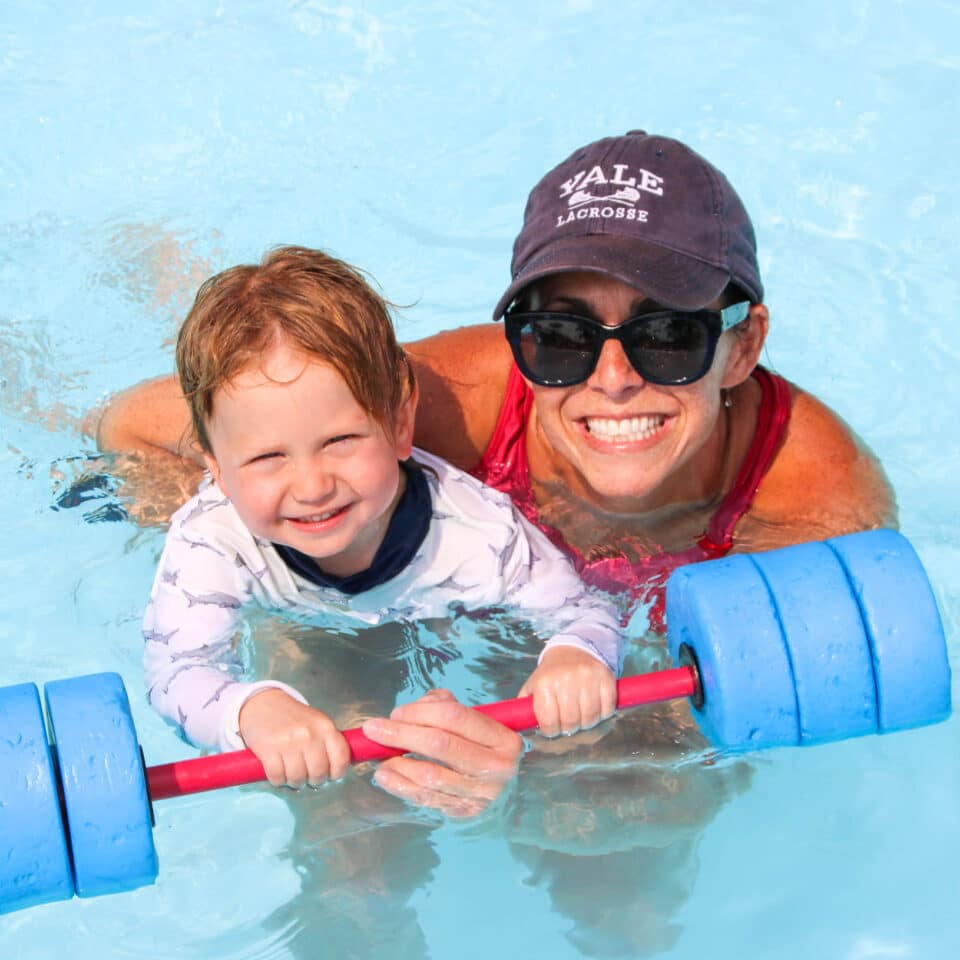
(824,482)
(462,375)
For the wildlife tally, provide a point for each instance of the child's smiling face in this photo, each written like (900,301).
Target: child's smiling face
(304,464)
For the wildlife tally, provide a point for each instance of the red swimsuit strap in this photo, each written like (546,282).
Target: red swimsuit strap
(772,419)
(505,467)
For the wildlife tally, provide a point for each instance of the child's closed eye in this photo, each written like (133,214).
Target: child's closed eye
(263,458)
(341,443)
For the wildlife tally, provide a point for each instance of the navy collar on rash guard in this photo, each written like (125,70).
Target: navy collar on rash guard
(406,531)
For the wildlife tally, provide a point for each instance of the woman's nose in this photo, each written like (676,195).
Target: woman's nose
(614,372)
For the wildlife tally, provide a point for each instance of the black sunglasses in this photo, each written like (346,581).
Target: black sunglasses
(666,347)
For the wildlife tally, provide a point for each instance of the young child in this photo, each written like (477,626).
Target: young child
(303,404)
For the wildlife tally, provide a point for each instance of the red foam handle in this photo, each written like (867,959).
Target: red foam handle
(242,766)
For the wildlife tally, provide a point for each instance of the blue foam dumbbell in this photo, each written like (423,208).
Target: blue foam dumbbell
(104,787)
(902,622)
(798,646)
(812,642)
(34,856)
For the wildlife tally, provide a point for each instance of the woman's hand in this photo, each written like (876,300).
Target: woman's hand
(464,758)
(296,744)
(571,691)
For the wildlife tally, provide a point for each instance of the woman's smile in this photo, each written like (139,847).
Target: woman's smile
(624,431)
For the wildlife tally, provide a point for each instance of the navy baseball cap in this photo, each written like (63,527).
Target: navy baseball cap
(645,210)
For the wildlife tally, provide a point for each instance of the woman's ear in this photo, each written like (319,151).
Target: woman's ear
(748,339)
(404,421)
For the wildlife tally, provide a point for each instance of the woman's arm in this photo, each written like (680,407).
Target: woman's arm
(150,417)
(462,376)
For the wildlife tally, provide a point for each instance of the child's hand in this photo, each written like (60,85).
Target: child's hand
(571,691)
(296,744)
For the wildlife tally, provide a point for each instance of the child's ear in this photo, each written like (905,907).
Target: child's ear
(214,468)
(405,418)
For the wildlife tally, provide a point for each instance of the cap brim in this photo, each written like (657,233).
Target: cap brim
(670,278)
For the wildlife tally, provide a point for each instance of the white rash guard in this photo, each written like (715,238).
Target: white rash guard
(478,552)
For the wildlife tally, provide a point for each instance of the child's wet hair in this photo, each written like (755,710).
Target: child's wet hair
(308,300)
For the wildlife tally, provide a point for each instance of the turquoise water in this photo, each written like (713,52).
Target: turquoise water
(145,148)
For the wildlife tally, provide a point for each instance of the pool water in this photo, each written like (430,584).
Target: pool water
(144,149)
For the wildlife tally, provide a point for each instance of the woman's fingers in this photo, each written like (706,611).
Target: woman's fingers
(426,784)
(466,756)
(442,729)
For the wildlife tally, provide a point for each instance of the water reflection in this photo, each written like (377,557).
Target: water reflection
(606,823)
(361,853)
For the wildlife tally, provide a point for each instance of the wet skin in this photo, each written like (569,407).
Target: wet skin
(326,485)
(823,482)
(616,439)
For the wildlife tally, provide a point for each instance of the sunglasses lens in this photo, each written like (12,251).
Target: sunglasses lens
(557,350)
(560,350)
(669,349)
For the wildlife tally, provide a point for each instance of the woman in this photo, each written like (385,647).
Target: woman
(631,422)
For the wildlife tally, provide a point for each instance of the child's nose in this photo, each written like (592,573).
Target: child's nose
(312,484)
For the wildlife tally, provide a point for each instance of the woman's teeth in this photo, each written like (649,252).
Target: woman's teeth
(630,430)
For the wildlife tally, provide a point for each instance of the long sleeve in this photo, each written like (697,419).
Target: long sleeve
(192,630)
(483,552)
(479,552)
(543,586)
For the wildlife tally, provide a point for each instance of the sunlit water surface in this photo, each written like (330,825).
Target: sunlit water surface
(145,149)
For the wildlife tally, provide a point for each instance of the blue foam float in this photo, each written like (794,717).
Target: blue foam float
(825,640)
(813,642)
(33,846)
(720,610)
(797,646)
(104,787)
(902,622)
